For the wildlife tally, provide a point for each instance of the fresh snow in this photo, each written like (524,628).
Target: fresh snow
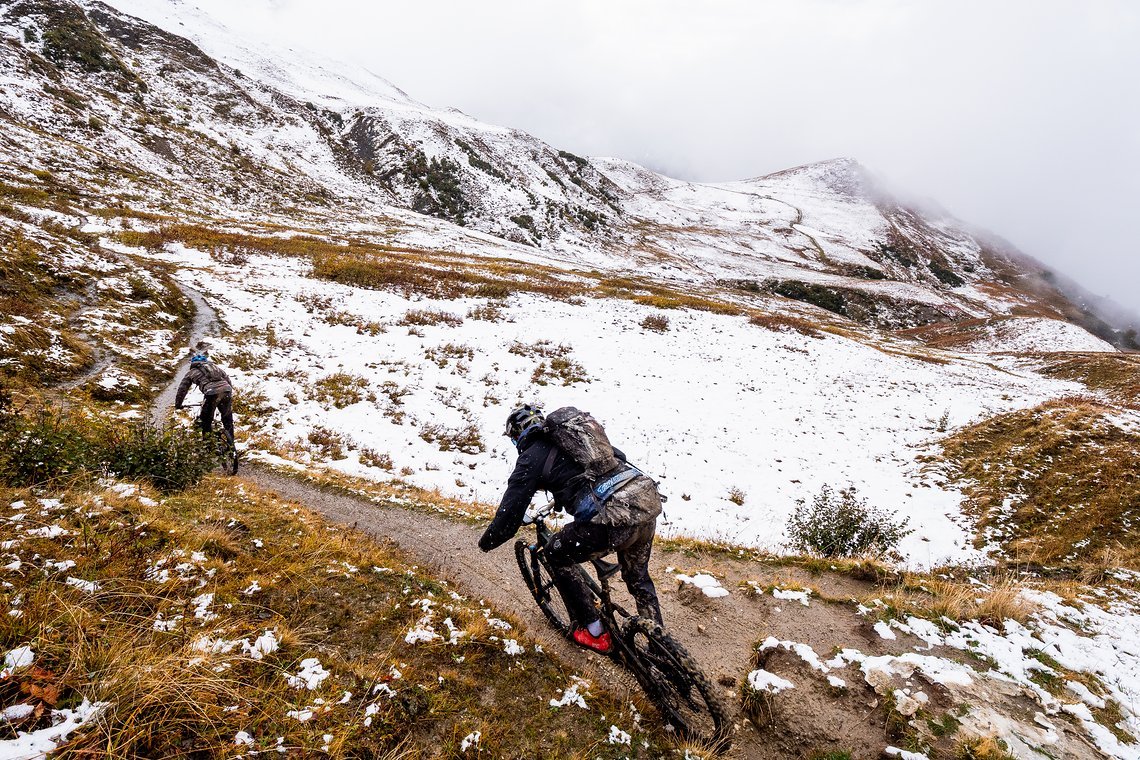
(782,415)
(763,681)
(708,585)
(35,745)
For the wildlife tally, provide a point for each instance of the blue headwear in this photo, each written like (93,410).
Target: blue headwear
(199,357)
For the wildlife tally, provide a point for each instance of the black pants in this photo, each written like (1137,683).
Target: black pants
(582,541)
(224,403)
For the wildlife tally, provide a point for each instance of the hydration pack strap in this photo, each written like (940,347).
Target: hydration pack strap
(549,464)
(610,485)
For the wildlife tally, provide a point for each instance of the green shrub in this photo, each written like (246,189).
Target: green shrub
(171,457)
(843,525)
(42,446)
(817,295)
(48,444)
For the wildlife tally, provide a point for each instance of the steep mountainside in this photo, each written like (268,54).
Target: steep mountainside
(183,116)
(384,280)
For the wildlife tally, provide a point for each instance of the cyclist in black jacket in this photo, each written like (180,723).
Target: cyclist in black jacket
(542,465)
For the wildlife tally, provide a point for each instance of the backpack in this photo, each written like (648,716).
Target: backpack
(583,439)
(617,493)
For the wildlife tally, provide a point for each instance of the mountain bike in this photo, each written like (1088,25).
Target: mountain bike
(665,670)
(229,459)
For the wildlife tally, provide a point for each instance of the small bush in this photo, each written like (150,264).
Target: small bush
(656,323)
(566,371)
(372,458)
(328,443)
(43,446)
(49,444)
(341,389)
(421,317)
(172,457)
(465,439)
(491,312)
(843,525)
(736,496)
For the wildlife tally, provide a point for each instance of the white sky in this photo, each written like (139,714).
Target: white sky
(1022,116)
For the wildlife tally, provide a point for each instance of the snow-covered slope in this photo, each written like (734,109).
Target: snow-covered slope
(175,109)
(765,370)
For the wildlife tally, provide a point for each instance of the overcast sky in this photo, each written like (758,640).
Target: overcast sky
(1020,116)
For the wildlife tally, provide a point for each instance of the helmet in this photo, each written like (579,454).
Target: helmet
(199,356)
(522,420)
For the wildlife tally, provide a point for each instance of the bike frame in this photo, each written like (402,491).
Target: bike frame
(600,588)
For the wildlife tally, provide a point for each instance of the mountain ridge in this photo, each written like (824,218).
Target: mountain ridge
(258,131)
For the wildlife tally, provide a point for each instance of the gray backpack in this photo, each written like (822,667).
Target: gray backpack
(619,495)
(582,438)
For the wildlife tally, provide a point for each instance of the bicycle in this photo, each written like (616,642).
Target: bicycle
(665,670)
(229,459)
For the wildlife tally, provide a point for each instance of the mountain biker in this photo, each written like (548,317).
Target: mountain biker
(217,393)
(627,529)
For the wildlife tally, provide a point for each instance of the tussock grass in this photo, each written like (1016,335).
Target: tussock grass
(186,686)
(935,597)
(1057,484)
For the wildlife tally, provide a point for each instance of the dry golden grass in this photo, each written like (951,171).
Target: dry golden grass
(1072,476)
(1117,375)
(172,693)
(934,598)
(983,748)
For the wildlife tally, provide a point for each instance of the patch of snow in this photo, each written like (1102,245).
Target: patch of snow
(708,585)
(310,676)
(617,736)
(797,596)
(572,694)
(769,683)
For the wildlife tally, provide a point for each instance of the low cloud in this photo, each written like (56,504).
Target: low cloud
(1020,116)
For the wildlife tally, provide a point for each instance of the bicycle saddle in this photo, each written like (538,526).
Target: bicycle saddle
(605,569)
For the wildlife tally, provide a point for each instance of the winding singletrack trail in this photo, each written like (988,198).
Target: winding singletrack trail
(719,632)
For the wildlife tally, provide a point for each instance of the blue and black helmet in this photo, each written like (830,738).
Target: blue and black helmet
(522,420)
(199,356)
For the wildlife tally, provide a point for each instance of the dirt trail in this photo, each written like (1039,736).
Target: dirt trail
(204,324)
(719,632)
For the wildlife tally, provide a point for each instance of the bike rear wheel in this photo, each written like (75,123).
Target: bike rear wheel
(676,684)
(540,582)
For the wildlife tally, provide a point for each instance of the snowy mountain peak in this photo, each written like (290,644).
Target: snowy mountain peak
(236,124)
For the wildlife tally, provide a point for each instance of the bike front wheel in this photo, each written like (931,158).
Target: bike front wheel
(676,684)
(227,455)
(540,582)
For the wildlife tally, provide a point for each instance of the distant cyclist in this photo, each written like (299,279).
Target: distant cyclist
(217,393)
(615,508)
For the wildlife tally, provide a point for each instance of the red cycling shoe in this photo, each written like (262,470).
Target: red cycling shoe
(601,644)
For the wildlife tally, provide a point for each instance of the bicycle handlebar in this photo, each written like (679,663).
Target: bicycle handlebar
(532,517)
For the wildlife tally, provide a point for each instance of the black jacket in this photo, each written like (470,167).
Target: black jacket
(563,482)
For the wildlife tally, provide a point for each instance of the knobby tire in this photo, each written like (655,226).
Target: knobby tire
(539,581)
(662,666)
(676,684)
